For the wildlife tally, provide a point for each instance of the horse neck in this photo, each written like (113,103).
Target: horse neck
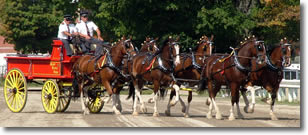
(199,53)
(245,52)
(116,55)
(165,54)
(144,48)
(276,56)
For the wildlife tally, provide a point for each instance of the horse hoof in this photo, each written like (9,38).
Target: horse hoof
(246,109)
(183,109)
(218,116)
(155,114)
(231,117)
(117,112)
(167,113)
(273,117)
(86,112)
(135,113)
(209,116)
(251,110)
(240,116)
(119,108)
(150,100)
(207,102)
(186,115)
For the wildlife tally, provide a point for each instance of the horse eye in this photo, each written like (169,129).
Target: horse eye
(284,50)
(260,48)
(204,48)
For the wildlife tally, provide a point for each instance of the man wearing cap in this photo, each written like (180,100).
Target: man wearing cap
(66,30)
(85,29)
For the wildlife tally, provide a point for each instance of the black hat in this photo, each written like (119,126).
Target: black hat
(68,17)
(84,13)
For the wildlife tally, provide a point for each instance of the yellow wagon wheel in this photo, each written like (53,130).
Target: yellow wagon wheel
(15,90)
(64,100)
(96,103)
(50,96)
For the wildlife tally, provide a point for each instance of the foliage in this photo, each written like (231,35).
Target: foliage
(277,19)
(31,24)
(225,22)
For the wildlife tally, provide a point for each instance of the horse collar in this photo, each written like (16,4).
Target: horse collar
(238,64)
(195,65)
(270,64)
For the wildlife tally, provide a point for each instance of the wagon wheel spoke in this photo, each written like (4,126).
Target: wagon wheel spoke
(15,90)
(50,96)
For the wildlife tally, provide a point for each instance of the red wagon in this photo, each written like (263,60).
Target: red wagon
(55,69)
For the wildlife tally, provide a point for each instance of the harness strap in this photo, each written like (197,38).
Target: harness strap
(151,64)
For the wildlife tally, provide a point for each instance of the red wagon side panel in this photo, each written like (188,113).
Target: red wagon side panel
(56,66)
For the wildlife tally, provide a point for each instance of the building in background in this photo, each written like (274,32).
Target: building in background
(5,49)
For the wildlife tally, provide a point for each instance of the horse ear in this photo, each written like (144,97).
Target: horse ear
(123,38)
(130,37)
(212,37)
(156,38)
(147,39)
(281,42)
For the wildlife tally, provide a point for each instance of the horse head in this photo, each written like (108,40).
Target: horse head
(171,49)
(205,45)
(285,52)
(255,48)
(150,45)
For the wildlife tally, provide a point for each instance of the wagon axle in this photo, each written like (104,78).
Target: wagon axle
(49,96)
(14,90)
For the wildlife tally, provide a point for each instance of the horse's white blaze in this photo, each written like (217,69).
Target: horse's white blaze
(289,60)
(177,51)
(211,49)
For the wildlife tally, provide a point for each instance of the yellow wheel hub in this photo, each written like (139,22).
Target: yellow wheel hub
(15,90)
(50,96)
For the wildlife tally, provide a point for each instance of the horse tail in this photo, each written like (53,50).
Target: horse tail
(131,92)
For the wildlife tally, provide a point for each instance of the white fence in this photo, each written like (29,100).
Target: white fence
(2,70)
(289,90)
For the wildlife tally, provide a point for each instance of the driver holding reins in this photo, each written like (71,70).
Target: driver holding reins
(85,29)
(65,33)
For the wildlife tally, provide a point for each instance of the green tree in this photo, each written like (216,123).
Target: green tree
(277,19)
(31,24)
(228,24)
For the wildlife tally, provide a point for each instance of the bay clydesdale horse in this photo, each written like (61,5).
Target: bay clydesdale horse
(88,73)
(190,68)
(270,76)
(158,70)
(148,47)
(233,71)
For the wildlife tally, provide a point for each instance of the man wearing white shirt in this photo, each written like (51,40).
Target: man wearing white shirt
(65,33)
(85,29)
